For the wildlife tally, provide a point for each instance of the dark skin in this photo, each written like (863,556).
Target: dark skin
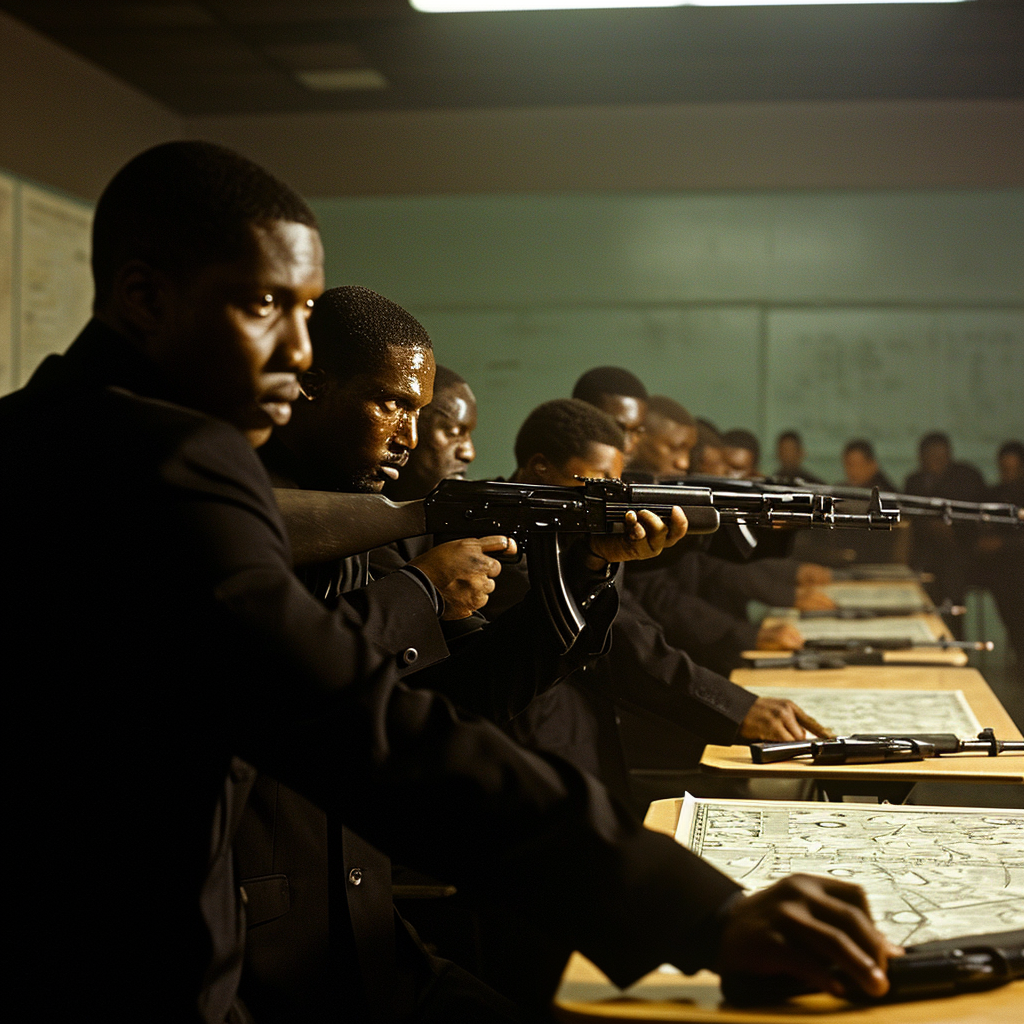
(664,447)
(629,413)
(790,454)
(446,445)
(231,339)
(858,467)
(739,462)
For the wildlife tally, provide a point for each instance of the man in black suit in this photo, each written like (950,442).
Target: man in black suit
(128,475)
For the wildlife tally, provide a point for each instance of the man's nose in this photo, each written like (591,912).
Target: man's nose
(682,462)
(408,433)
(466,451)
(295,343)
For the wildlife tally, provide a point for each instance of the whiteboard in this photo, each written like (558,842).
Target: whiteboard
(6,284)
(56,281)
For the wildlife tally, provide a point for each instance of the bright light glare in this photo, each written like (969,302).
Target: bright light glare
(466,6)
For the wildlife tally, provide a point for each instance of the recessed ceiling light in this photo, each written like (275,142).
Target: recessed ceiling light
(466,6)
(341,79)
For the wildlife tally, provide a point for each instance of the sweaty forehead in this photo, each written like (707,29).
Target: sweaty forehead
(457,404)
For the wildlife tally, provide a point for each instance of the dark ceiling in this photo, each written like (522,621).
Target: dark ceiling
(243,56)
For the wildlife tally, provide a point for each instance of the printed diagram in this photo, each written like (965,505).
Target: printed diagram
(896,712)
(880,598)
(894,627)
(929,872)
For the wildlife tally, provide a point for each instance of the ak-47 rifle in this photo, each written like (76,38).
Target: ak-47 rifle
(910,505)
(865,644)
(814,661)
(871,748)
(541,517)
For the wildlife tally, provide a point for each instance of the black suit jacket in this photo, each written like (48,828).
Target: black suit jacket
(150,602)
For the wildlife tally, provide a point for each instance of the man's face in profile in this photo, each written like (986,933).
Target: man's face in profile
(601,462)
(664,447)
(358,432)
(739,463)
(232,340)
(629,413)
(446,441)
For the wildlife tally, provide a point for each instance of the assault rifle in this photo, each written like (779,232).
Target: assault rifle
(897,643)
(542,518)
(814,661)
(870,748)
(910,505)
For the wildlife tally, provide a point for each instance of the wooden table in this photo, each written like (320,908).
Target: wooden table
(1006,768)
(587,995)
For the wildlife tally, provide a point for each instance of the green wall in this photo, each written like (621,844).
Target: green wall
(878,314)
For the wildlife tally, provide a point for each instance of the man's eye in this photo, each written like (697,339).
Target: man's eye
(264,306)
(391,405)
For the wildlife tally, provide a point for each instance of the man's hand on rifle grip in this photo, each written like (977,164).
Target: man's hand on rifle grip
(644,536)
(463,572)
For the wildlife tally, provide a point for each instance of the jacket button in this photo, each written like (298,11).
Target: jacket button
(355,876)
(410,656)
(243,895)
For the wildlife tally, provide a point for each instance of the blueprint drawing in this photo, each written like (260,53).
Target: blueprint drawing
(929,872)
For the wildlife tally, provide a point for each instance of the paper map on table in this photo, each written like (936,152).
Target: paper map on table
(882,628)
(880,597)
(896,712)
(929,872)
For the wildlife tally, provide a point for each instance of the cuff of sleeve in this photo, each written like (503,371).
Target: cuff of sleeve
(431,591)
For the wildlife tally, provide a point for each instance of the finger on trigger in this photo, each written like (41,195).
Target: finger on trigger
(497,543)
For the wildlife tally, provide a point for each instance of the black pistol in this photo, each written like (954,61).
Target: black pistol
(928,971)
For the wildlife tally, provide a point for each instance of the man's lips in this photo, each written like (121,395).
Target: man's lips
(277,401)
(391,467)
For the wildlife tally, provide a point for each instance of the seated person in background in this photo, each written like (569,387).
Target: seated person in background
(742,454)
(789,450)
(861,467)
(943,549)
(620,394)
(670,434)
(708,457)
(128,462)
(1001,550)
(558,442)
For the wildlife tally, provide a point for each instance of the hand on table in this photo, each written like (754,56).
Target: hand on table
(811,599)
(808,574)
(644,536)
(783,636)
(463,572)
(773,719)
(817,930)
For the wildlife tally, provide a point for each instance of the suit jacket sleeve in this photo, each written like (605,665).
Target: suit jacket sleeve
(326,714)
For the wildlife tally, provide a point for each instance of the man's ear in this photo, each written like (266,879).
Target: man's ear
(141,299)
(538,468)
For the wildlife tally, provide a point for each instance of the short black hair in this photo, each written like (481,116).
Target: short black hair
(742,439)
(859,444)
(352,328)
(445,379)
(183,206)
(670,409)
(935,438)
(789,435)
(1011,448)
(563,429)
(608,380)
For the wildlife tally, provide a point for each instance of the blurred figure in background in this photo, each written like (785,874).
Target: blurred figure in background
(861,466)
(944,550)
(742,454)
(789,449)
